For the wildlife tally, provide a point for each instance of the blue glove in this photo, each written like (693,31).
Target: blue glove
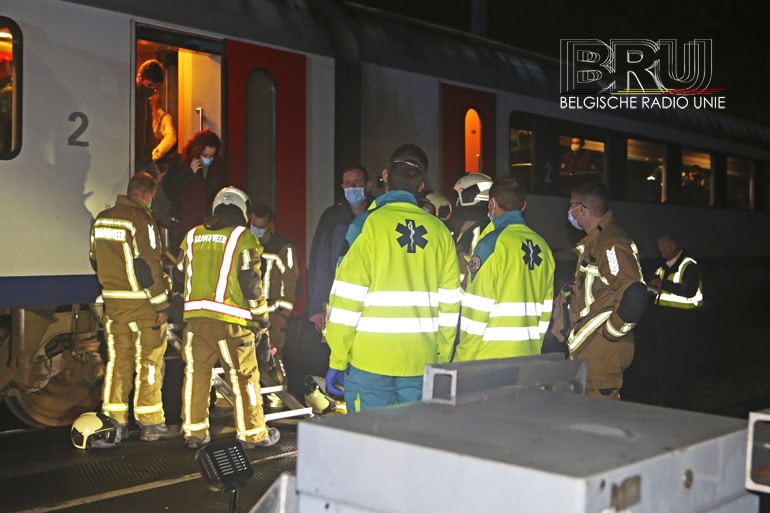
(335,382)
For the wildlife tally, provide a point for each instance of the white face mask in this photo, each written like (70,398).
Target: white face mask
(572,220)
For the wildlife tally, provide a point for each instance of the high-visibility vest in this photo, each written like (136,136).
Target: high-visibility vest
(213,260)
(395,301)
(672,300)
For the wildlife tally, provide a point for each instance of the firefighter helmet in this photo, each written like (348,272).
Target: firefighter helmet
(94,430)
(472,189)
(233,196)
(439,205)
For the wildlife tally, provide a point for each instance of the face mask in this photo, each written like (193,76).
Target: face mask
(574,147)
(572,220)
(206,161)
(355,195)
(491,217)
(258,232)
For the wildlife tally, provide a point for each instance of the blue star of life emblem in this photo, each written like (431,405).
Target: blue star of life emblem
(531,254)
(411,236)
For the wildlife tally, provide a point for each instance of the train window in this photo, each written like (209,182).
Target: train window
(696,178)
(10,88)
(739,183)
(473,162)
(582,161)
(521,156)
(646,174)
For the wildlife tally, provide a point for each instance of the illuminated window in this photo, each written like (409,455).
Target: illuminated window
(739,183)
(473,162)
(582,161)
(646,172)
(696,178)
(10,88)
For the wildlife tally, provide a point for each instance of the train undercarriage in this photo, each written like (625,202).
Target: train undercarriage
(51,366)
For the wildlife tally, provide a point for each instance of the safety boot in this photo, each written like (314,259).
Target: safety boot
(155,432)
(273,435)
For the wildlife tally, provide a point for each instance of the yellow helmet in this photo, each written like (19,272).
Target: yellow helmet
(94,430)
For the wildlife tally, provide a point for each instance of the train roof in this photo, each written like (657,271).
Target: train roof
(350,32)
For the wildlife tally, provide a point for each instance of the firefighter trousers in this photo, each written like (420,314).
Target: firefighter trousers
(205,341)
(135,360)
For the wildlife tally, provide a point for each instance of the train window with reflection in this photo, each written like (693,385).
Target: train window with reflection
(582,161)
(738,183)
(10,87)
(696,178)
(521,156)
(646,173)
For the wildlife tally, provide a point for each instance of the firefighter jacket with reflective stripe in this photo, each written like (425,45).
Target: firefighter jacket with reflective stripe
(126,254)
(607,264)
(279,274)
(681,287)
(222,275)
(395,300)
(506,308)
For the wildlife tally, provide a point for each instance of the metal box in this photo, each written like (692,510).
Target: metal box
(524,451)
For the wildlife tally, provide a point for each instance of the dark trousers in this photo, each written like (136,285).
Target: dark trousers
(674,328)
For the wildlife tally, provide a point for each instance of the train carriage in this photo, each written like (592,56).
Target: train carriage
(298,90)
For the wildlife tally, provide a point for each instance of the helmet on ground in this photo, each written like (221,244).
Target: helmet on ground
(94,430)
(233,196)
(439,205)
(473,188)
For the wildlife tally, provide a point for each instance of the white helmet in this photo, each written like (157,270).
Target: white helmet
(233,196)
(94,430)
(442,208)
(473,188)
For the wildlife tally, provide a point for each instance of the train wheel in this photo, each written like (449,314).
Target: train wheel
(75,390)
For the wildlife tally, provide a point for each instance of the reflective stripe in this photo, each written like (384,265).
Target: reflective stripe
(344,317)
(148,409)
(577,339)
(349,290)
(618,333)
(674,300)
(271,257)
(189,255)
(450,295)
(124,294)
(280,304)
(159,299)
(227,262)
(108,407)
(448,320)
(512,334)
(212,306)
(517,310)
(472,327)
(482,304)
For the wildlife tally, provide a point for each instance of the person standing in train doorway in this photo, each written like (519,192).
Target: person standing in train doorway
(395,301)
(223,307)
(126,255)
(149,78)
(192,183)
(608,294)
(678,297)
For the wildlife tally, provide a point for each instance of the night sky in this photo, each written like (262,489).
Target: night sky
(739,29)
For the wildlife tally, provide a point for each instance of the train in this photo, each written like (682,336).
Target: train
(298,90)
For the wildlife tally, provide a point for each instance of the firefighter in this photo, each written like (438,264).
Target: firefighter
(506,308)
(678,295)
(395,300)
(223,303)
(126,254)
(279,274)
(609,292)
(470,216)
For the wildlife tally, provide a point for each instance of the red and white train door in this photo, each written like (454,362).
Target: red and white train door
(467,134)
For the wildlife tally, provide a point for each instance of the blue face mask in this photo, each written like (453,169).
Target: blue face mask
(258,232)
(355,195)
(572,220)
(206,161)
